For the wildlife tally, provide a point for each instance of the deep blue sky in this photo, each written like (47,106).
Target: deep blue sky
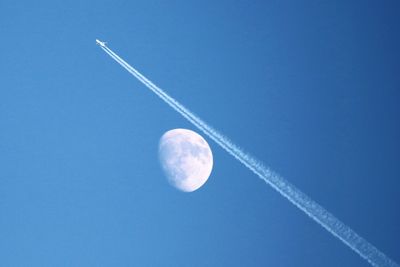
(312,89)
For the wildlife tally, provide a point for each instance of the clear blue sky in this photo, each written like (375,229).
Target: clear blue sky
(312,89)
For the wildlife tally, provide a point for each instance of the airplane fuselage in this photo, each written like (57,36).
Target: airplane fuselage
(100,43)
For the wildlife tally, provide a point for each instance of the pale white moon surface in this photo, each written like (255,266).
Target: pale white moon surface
(185,158)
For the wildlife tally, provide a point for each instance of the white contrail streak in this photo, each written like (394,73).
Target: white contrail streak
(289,191)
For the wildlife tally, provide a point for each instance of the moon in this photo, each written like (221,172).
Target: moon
(185,158)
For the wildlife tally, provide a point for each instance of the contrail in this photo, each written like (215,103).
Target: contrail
(286,189)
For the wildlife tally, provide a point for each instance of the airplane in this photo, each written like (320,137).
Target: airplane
(100,43)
